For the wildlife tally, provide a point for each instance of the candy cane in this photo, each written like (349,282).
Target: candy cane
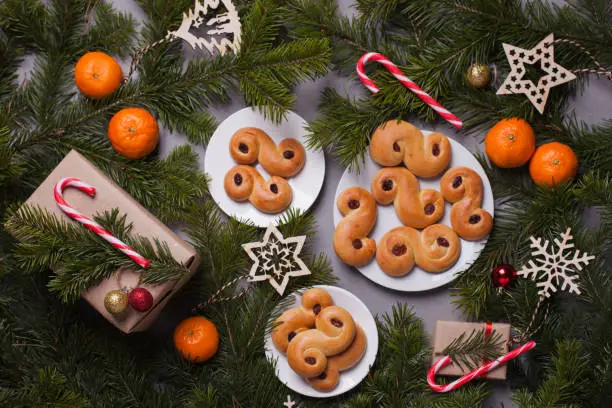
(90,224)
(374,56)
(475,373)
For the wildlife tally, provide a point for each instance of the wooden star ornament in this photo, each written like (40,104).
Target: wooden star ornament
(276,259)
(543,53)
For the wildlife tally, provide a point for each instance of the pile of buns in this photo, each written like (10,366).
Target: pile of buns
(320,339)
(407,154)
(243,182)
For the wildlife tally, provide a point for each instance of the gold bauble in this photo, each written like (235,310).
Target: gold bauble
(478,75)
(116,301)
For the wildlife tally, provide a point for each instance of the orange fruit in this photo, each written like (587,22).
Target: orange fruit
(196,338)
(510,143)
(553,163)
(97,75)
(133,132)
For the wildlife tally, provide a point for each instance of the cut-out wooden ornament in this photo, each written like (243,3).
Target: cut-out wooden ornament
(222,30)
(544,53)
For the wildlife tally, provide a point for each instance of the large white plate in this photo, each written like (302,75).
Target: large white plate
(349,378)
(306,185)
(417,280)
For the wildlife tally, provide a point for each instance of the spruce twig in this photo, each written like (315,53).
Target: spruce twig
(469,350)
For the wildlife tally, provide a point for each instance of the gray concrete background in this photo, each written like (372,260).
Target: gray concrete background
(591,107)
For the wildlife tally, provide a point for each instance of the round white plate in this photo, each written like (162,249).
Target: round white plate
(349,378)
(417,280)
(306,185)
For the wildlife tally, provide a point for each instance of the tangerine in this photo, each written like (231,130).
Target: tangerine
(553,163)
(97,75)
(510,143)
(133,132)
(196,338)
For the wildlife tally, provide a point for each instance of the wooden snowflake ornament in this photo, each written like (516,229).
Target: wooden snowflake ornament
(544,53)
(555,269)
(222,30)
(276,259)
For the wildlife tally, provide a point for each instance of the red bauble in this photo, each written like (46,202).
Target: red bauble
(503,275)
(140,299)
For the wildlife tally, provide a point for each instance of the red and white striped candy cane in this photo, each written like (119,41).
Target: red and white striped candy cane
(431,380)
(374,56)
(91,224)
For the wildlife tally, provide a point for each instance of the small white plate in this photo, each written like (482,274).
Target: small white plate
(417,280)
(306,185)
(349,379)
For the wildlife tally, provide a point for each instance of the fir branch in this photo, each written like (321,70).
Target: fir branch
(164,14)
(79,258)
(10,55)
(49,389)
(296,61)
(469,350)
(271,98)
(595,189)
(344,127)
(203,398)
(278,67)
(218,242)
(25,21)
(350,38)
(472,395)
(197,126)
(111,32)
(564,386)
(10,165)
(377,11)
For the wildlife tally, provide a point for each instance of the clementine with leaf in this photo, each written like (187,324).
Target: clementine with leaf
(510,143)
(196,338)
(133,132)
(553,163)
(97,75)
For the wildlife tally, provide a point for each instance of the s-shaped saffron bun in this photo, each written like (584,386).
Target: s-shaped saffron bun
(462,186)
(251,144)
(351,241)
(245,183)
(435,249)
(395,142)
(299,319)
(308,352)
(414,207)
(328,380)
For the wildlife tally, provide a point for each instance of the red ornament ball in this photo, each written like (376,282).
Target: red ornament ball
(503,275)
(140,299)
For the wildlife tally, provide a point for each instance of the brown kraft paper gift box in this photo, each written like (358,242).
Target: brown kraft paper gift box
(447,331)
(108,196)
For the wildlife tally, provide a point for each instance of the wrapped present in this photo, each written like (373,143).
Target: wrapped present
(108,196)
(447,331)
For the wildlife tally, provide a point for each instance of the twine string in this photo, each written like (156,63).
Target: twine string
(143,51)
(89,10)
(601,70)
(215,297)
(528,331)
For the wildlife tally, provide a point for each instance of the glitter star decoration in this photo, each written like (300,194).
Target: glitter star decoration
(276,259)
(555,268)
(544,53)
